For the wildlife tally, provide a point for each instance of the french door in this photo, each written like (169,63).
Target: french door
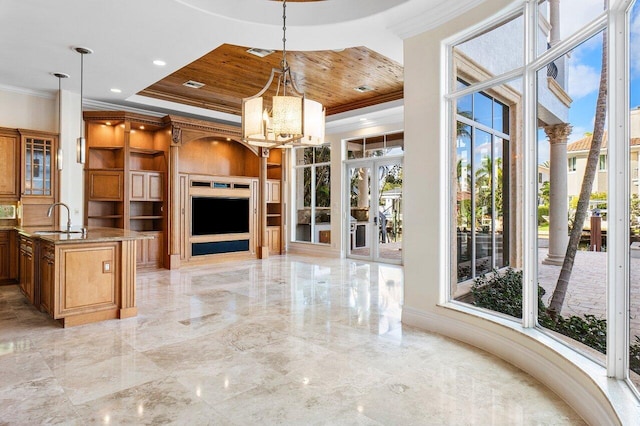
(374,210)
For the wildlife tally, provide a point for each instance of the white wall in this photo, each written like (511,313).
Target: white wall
(27,110)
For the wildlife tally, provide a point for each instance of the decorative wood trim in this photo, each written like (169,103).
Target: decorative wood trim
(170,97)
(115,116)
(380,99)
(128,279)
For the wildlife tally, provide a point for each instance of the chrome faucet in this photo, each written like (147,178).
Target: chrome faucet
(68,213)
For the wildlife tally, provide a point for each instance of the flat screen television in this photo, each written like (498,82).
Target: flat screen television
(219,215)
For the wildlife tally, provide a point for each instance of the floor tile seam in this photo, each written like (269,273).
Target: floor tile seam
(111,394)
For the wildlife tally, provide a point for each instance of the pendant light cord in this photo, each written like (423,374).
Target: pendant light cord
(59,104)
(284,64)
(81,88)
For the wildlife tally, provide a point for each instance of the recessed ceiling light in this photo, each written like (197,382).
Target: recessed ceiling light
(193,84)
(159,63)
(363,88)
(363,119)
(261,53)
(114,90)
(108,123)
(141,127)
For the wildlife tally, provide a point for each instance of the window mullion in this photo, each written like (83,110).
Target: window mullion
(618,201)
(312,190)
(530,169)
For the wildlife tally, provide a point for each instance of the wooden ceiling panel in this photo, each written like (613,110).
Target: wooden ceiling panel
(230,73)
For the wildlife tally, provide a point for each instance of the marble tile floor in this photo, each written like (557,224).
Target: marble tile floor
(288,340)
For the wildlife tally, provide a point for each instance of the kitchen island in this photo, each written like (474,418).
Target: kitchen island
(79,277)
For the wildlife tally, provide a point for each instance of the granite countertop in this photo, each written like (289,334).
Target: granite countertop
(93,234)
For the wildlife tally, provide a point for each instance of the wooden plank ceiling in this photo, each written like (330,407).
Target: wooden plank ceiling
(230,73)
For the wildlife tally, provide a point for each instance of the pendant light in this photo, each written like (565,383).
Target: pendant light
(289,117)
(59,152)
(81,143)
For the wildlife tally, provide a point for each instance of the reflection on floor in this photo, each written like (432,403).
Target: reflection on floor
(289,340)
(386,251)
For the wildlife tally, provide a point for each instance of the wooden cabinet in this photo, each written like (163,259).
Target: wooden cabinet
(38,176)
(8,257)
(26,268)
(274,201)
(47,277)
(146,186)
(38,164)
(126,169)
(105,197)
(273,191)
(5,257)
(105,185)
(77,281)
(149,253)
(9,158)
(273,239)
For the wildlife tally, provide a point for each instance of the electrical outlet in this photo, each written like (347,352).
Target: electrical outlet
(106,267)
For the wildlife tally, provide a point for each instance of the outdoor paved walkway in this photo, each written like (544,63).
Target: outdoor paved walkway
(586,293)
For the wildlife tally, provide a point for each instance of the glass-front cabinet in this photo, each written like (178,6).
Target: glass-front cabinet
(38,165)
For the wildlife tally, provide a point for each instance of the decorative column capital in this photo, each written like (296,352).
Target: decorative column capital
(558,133)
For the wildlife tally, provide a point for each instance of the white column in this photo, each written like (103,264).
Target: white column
(71,176)
(558,200)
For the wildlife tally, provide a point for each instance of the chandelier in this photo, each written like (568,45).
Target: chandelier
(289,118)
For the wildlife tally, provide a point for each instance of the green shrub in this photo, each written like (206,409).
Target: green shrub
(543,211)
(589,330)
(502,292)
(634,356)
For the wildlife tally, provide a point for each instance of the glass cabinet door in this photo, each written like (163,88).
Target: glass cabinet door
(37,166)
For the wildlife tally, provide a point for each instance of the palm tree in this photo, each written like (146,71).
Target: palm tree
(557,299)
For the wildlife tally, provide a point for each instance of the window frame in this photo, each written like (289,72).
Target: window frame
(312,166)
(615,19)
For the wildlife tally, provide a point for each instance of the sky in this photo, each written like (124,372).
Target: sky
(584,65)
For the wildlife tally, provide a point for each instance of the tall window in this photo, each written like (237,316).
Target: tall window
(482,144)
(312,177)
(559,91)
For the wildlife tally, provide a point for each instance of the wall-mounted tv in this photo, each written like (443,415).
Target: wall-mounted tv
(219,215)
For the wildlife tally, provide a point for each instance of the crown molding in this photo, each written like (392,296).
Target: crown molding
(432,18)
(30,92)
